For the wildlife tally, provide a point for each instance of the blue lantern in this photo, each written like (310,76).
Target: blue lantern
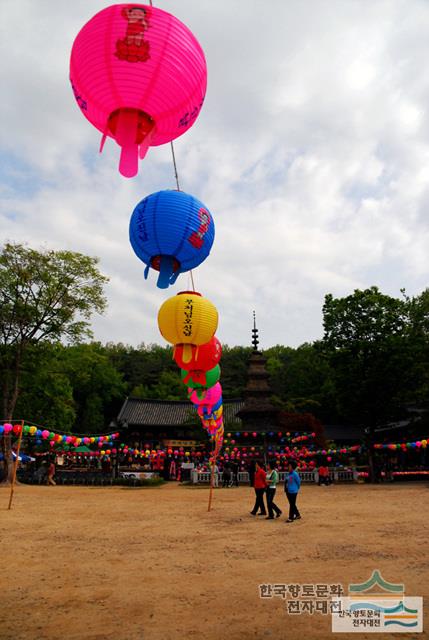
(172,232)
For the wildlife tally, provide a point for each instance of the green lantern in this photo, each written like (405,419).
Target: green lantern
(197,379)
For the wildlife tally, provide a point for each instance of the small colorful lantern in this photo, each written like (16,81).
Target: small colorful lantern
(172,232)
(188,319)
(139,76)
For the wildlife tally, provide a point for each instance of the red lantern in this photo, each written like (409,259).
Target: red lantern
(199,358)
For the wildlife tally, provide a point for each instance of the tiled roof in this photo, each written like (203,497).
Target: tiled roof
(346,432)
(170,413)
(163,413)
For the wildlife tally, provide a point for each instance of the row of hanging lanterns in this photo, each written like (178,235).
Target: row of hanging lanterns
(139,76)
(189,322)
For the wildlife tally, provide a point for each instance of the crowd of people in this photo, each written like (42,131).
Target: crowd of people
(265,485)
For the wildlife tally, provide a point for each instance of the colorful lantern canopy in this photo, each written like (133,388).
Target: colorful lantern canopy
(139,76)
(187,318)
(201,379)
(172,232)
(210,413)
(201,358)
(213,426)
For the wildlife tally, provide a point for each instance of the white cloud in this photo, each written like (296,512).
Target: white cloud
(311,151)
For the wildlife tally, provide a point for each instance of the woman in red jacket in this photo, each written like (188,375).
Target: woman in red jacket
(259,484)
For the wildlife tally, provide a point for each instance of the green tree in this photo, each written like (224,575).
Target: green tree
(45,296)
(46,396)
(141,367)
(301,379)
(234,364)
(372,350)
(98,388)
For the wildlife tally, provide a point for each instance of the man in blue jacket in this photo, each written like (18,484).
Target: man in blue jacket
(292,485)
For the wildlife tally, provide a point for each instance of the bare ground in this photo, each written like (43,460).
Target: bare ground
(152,564)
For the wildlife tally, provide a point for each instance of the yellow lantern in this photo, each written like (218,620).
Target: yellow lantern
(188,318)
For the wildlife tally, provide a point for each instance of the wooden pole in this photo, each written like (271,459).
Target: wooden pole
(217,439)
(212,480)
(15,466)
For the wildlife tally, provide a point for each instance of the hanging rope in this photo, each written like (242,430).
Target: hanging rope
(176,175)
(175,166)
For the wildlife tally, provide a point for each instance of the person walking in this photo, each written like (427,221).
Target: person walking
(215,474)
(292,486)
(259,484)
(235,469)
(324,476)
(272,480)
(252,473)
(226,476)
(51,473)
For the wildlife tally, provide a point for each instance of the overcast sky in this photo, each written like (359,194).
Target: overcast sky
(311,152)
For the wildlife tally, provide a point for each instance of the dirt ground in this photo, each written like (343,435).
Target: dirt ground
(153,564)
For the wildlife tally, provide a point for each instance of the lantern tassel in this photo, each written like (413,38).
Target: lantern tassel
(187,352)
(143,149)
(187,377)
(132,130)
(103,140)
(128,162)
(166,272)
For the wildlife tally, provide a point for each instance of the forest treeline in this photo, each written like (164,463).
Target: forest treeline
(370,365)
(82,387)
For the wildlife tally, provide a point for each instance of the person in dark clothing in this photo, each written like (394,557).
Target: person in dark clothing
(272,480)
(234,469)
(252,472)
(259,485)
(292,485)
(226,476)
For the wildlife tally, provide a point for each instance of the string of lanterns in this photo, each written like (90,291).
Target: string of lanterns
(189,321)
(139,76)
(403,445)
(284,437)
(55,438)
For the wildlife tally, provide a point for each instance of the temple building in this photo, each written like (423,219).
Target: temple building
(251,421)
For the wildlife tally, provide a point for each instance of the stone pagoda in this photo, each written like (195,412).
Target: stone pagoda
(258,413)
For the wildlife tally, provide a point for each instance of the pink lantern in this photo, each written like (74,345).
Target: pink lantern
(139,76)
(210,397)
